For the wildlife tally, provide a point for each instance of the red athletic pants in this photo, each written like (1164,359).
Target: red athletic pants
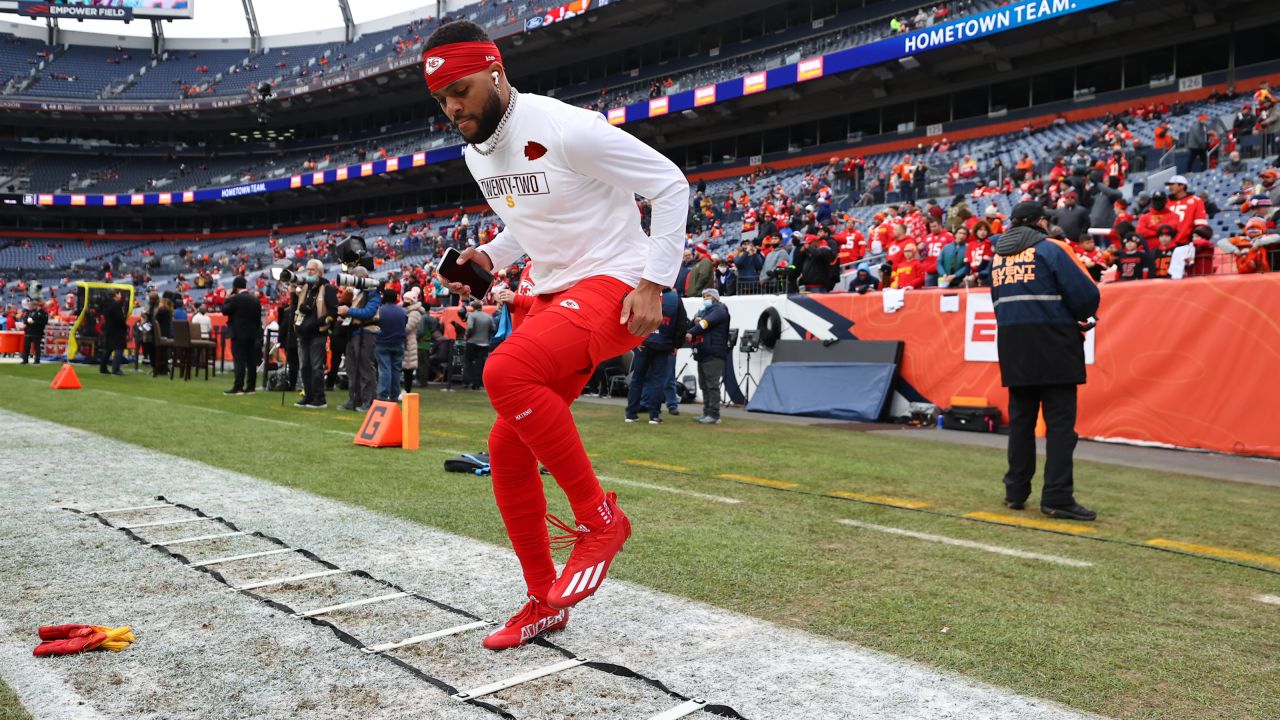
(531,379)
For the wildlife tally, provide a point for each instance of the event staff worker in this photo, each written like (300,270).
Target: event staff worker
(709,335)
(244,321)
(317,308)
(563,181)
(1043,297)
(115,333)
(34,319)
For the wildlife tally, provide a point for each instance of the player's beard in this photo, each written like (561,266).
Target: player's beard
(488,120)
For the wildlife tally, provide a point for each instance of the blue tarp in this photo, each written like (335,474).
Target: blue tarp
(840,391)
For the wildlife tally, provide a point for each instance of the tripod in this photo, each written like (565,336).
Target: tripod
(748,380)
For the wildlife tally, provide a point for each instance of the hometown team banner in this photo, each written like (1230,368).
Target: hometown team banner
(1009,17)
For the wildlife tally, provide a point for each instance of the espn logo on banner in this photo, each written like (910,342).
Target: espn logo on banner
(617,116)
(754,83)
(980,331)
(704,96)
(809,69)
(658,106)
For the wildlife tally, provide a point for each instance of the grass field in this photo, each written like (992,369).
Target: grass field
(10,709)
(1140,634)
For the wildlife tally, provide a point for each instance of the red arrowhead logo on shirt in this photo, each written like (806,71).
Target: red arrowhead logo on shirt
(534,150)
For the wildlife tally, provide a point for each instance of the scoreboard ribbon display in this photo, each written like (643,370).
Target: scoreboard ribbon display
(62,9)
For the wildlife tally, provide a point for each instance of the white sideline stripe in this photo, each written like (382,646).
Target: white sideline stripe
(968,544)
(353,603)
(518,679)
(158,523)
(248,556)
(198,407)
(687,708)
(129,509)
(764,669)
(455,630)
(677,491)
(283,580)
(131,397)
(197,538)
(1269,599)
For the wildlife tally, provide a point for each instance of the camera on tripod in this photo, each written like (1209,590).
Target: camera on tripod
(749,341)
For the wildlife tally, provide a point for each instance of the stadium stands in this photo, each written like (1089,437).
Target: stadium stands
(158,264)
(31,68)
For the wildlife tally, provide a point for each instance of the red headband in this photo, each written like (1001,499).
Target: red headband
(446,64)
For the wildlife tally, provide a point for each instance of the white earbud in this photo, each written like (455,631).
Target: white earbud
(495,77)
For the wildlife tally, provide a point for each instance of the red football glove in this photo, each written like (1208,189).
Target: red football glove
(62,632)
(70,646)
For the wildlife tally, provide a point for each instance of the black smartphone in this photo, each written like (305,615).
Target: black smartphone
(469,274)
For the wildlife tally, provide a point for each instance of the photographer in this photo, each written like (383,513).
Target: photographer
(709,333)
(35,319)
(317,305)
(361,317)
(244,321)
(389,347)
(287,339)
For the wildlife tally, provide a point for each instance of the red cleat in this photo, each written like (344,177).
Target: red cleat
(534,619)
(593,553)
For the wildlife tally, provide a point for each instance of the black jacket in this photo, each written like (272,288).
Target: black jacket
(711,327)
(1073,220)
(1041,293)
(115,328)
(815,263)
(35,320)
(675,323)
(312,324)
(244,316)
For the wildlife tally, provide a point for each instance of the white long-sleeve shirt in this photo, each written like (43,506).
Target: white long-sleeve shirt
(563,180)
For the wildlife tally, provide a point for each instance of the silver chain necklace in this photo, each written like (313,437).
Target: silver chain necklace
(487,148)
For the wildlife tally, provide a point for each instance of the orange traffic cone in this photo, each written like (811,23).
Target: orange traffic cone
(66,379)
(1041,428)
(381,426)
